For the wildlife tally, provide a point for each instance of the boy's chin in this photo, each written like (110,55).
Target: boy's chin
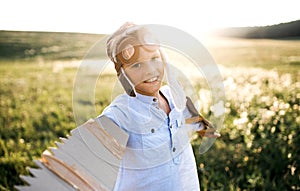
(150,91)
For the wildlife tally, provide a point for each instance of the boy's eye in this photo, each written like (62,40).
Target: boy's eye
(156,58)
(137,65)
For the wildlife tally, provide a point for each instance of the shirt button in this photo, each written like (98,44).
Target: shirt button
(155,99)
(171,127)
(174,149)
(152,130)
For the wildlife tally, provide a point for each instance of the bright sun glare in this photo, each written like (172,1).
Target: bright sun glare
(92,16)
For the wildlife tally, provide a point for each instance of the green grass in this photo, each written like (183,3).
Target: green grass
(46,45)
(36,109)
(282,55)
(258,149)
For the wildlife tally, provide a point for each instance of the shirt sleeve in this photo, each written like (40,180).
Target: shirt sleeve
(109,112)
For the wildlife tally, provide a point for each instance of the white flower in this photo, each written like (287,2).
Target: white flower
(218,109)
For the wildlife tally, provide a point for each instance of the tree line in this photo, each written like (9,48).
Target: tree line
(282,30)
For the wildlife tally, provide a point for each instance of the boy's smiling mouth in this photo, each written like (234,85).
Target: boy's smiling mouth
(151,79)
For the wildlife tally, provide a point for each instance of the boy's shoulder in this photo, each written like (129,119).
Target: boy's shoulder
(119,100)
(116,108)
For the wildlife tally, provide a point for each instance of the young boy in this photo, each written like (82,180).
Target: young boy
(158,155)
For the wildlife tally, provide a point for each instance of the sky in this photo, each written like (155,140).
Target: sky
(98,16)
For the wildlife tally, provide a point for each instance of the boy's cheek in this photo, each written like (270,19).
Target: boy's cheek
(136,80)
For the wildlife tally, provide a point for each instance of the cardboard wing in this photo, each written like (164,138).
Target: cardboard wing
(89,159)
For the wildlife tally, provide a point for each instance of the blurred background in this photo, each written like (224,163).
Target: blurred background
(256,45)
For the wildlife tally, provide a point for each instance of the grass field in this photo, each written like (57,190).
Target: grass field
(259,147)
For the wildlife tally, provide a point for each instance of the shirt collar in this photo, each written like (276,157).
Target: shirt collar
(147,99)
(153,100)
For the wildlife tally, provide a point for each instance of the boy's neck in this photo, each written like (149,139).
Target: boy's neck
(163,103)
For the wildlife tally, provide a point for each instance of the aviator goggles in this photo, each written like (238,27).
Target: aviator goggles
(128,45)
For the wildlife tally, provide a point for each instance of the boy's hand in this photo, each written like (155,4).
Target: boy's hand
(210,133)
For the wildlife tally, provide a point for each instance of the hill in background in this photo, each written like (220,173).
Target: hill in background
(282,30)
(49,45)
(58,45)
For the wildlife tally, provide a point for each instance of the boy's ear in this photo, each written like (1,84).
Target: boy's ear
(128,87)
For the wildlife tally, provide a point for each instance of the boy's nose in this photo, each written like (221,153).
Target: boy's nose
(149,66)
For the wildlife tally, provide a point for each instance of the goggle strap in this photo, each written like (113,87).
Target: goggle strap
(126,83)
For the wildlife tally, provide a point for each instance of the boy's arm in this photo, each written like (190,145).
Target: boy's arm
(208,130)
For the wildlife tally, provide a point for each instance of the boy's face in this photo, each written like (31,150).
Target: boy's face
(147,72)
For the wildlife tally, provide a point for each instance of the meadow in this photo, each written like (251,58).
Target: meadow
(259,146)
